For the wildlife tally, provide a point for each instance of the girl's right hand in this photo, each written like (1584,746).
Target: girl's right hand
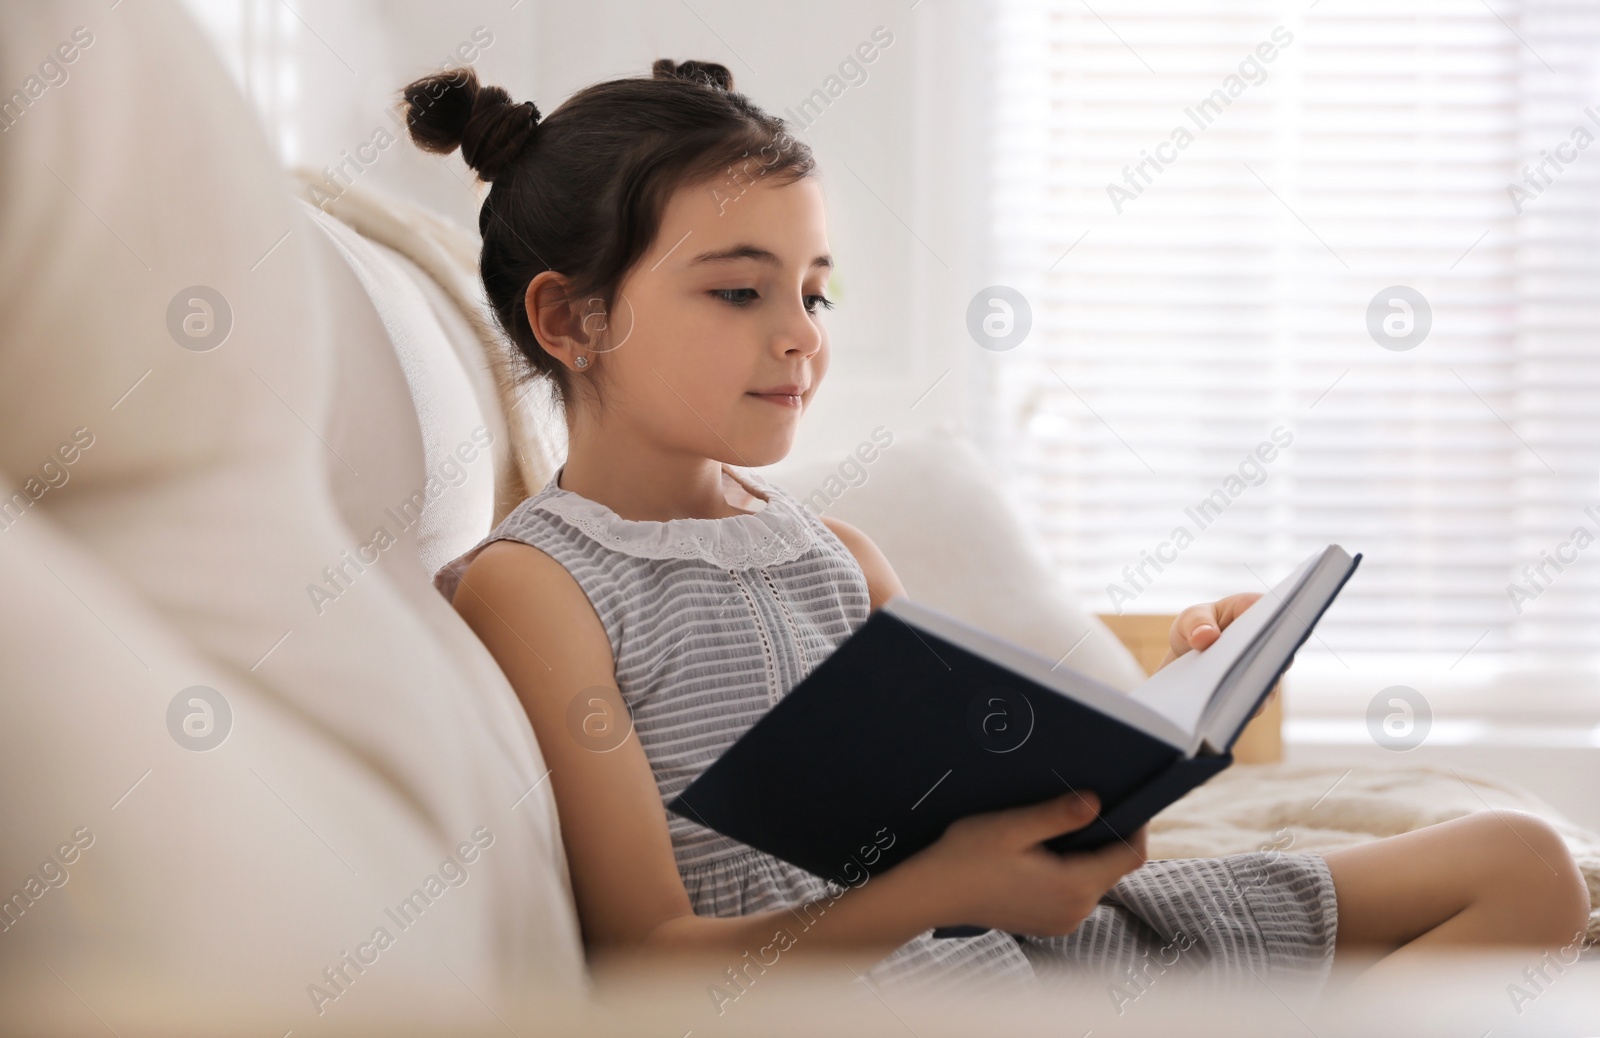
(990,870)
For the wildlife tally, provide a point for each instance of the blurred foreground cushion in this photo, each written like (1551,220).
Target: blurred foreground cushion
(274,729)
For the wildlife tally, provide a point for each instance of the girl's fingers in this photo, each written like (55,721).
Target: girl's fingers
(1229,609)
(1103,866)
(1195,628)
(1199,626)
(1050,818)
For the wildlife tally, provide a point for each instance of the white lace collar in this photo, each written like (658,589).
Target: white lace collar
(775,534)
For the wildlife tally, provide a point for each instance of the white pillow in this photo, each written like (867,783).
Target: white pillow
(928,501)
(447,505)
(371,738)
(440,258)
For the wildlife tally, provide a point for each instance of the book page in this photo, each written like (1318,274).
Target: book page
(1230,709)
(1182,689)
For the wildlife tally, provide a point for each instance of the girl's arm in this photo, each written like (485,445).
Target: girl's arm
(988,869)
(882,583)
(541,628)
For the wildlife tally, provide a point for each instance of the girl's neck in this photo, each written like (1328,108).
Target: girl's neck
(653,486)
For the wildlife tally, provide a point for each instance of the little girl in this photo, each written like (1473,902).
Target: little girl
(656,248)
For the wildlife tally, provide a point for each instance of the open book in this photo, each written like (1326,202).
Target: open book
(919,719)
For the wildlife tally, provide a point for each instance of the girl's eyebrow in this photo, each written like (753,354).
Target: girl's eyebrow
(754,252)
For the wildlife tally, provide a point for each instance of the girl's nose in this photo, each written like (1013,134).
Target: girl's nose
(800,333)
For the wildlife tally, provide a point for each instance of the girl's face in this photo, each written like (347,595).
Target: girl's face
(715,344)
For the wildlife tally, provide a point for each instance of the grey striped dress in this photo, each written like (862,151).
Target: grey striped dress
(712,620)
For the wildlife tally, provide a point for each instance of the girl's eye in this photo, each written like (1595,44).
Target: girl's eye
(745,296)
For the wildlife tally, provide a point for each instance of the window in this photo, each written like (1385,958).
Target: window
(1205,210)
(258,40)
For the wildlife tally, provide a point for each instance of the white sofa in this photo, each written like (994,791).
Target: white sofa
(356,828)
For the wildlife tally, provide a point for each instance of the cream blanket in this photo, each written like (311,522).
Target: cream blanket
(1297,807)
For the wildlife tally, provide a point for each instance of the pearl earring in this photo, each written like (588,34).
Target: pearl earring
(581,362)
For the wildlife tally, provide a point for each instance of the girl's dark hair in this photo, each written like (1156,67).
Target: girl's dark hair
(581,192)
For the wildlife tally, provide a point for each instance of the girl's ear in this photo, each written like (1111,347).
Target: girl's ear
(559,321)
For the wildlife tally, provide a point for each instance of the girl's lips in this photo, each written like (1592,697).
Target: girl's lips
(781,399)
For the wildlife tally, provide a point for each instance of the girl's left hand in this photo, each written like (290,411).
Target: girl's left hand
(1198,626)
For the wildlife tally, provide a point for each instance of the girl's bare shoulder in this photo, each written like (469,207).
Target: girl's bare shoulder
(523,603)
(882,583)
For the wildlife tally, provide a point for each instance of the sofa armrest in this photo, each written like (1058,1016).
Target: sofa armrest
(1145,635)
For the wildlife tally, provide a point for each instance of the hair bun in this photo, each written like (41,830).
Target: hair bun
(707,72)
(451,110)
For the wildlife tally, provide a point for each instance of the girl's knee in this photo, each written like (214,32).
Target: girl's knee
(1529,844)
(1538,871)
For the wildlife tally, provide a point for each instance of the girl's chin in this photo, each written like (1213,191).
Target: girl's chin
(757,451)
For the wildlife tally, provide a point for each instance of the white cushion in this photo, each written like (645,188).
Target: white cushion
(369,741)
(403,250)
(446,506)
(957,542)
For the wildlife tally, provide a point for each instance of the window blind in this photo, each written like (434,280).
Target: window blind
(1392,168)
